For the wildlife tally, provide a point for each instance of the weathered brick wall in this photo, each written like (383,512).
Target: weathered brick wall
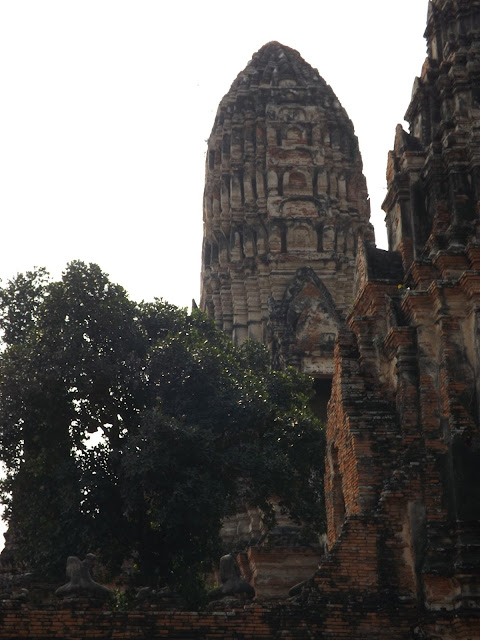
(71,622)
(403,439)
(358,617)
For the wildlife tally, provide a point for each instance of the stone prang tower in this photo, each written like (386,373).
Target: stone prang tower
(285,206)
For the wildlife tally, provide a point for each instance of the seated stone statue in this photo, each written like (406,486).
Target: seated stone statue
(80,581)
(232,582)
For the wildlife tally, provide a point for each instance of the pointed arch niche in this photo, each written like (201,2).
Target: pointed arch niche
(308,324)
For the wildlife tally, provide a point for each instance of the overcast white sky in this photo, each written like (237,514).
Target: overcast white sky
(106,106)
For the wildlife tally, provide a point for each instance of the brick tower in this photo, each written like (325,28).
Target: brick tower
(285,205)
(403,463)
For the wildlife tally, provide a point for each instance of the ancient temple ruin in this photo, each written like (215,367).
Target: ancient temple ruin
(403,461)
(289,259)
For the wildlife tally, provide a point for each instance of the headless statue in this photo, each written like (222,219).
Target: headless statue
(80,581)
(232,582)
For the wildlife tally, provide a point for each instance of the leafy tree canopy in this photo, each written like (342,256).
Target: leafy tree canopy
(134,429)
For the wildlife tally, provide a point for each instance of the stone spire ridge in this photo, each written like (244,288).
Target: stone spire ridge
(277,65)
(433,174)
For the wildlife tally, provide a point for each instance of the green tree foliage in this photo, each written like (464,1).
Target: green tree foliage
(134,429)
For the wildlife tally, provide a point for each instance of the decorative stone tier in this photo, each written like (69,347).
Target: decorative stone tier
(274,571)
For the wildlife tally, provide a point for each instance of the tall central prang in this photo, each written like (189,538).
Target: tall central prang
(284,208)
